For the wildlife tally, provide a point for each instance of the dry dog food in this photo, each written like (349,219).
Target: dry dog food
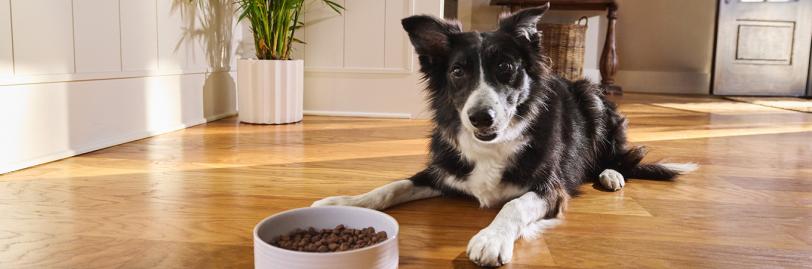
(337,239)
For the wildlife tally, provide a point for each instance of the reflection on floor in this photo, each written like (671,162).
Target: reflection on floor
(189,199)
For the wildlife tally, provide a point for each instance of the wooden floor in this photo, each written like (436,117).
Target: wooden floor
(189,199)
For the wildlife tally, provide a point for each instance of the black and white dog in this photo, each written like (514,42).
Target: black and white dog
(506,130)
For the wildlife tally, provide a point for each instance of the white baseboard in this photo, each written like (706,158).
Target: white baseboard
(358,114)
(664,82)
(221,116)
(125,138)
(97,145)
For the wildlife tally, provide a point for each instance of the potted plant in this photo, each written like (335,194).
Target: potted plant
(271,87)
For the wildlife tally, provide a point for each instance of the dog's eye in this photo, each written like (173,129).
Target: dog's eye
(504,67)
(457,72)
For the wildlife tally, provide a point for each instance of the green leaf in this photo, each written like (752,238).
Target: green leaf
(333,5)
(274,23)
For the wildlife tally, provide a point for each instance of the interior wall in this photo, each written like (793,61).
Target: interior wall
(361,63)
(80,75)
(663,46)
(666,46)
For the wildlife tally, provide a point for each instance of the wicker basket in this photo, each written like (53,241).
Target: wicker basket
(564,45)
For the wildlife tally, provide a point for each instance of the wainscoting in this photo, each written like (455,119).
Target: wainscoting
(112,71)
(361,63)
(80,75)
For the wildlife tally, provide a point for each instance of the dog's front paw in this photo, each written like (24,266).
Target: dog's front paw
(491,247)
(337,200)
(611,180)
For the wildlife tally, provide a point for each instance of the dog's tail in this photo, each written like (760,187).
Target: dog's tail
(660,171)
(631,167)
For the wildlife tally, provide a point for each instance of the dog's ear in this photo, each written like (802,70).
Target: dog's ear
(429,35)
(522,24)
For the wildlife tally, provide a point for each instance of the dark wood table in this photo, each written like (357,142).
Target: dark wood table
(608,63)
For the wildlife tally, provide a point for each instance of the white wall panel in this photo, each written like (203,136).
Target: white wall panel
(299,48)
(364,33)
(6,56)
(198,26)
(171,46)
(397,50)
(243,43)
(139,35)
(97,35)
(43,36)
(394,87)
(324,33)
(367,38)
(218,37)
(70,95)
(63,117)
(57,120)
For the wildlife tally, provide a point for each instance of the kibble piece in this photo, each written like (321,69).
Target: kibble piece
(340,238)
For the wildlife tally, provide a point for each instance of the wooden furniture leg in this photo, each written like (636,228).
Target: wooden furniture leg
(608,64)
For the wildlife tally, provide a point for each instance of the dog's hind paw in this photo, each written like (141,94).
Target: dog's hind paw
(611,180)
(337,200)
(490,247)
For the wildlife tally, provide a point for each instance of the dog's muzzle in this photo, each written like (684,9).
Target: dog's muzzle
(483,121)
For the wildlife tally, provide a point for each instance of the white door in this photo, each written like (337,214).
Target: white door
(763,47)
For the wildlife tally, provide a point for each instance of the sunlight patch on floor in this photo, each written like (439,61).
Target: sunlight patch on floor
(725,108)
(713,133)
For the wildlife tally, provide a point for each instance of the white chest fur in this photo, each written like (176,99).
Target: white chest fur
(485,181)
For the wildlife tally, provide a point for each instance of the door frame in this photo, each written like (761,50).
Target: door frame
(715,44)
(809,77)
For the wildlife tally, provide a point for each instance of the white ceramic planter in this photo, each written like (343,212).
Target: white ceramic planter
(270,91)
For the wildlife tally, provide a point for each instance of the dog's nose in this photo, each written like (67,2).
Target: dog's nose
(482,118)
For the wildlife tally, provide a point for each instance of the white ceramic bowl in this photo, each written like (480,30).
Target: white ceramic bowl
(383,255)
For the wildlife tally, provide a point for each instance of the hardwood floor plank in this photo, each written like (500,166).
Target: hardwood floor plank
(625,253)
